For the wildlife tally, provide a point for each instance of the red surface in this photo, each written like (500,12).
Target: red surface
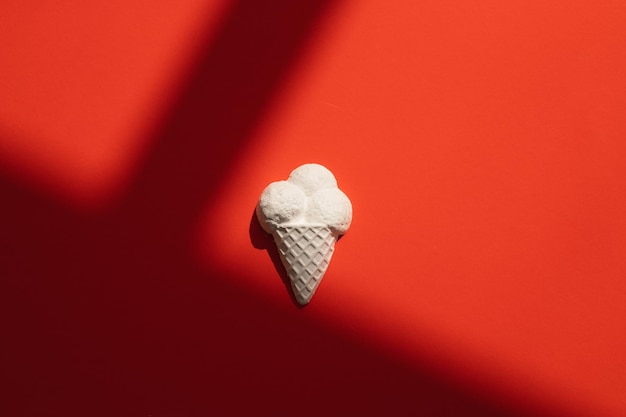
(482,148)
(83,84)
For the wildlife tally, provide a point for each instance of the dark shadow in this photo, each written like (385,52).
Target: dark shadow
(263,241)
(108,314)
(231,90)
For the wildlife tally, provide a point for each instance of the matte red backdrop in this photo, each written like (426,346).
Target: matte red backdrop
(482,147)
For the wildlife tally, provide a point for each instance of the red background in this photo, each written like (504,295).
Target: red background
(482,147)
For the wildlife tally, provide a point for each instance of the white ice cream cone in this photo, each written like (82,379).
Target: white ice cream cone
(305,252)
(305,214)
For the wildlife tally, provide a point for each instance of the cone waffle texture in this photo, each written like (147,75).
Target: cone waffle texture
(305,251)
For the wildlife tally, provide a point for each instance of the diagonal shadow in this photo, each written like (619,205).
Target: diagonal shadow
(233,87)
(108,314)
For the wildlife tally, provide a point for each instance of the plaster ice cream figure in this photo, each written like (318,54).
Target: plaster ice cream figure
(305,214)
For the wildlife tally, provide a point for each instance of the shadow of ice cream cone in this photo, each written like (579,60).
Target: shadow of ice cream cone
(263,241)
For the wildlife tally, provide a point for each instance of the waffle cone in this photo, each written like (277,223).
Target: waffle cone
(305,252)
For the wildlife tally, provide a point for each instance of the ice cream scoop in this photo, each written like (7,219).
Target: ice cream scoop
(281,202)
(330,207)
(312,177)
(306,215)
